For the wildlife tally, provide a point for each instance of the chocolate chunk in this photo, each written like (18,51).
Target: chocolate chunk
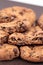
(14,16)
(19,39)
(23,27)
(35,39)
(3,27)
(21,13)
(5,38)
(6,17)
(13,38)
(38,38)
(15,51)
(37,56)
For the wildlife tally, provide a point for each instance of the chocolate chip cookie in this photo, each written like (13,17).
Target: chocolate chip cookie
(24,17)
(33,54)
(3,37)
(40,21)
(8,27)
(17,39)
(8,52)
(34,36)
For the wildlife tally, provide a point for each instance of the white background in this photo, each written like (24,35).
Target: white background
(34,2)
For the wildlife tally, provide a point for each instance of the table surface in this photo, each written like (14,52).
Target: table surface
(39,11)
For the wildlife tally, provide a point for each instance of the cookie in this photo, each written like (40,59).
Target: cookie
(40,21)
(34,36)
(17,39)
(33,54)
(8,52)
(7,15)
(24,17)
(3,37)
(8,27)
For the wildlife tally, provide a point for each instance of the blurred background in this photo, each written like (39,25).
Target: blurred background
(34,2)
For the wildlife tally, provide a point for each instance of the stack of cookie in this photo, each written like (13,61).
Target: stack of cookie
(18,27)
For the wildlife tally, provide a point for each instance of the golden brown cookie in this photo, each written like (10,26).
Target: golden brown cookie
(33,54)
(8,52)
(34,36)
(3,37)
(17,39)
(24,17)
(40,21)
